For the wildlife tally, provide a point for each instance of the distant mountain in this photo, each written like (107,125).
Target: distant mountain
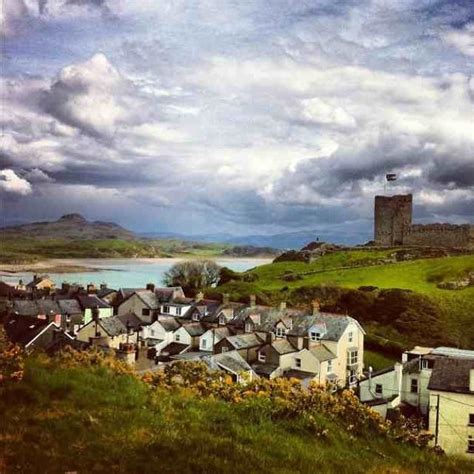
(283,241)
(69,226)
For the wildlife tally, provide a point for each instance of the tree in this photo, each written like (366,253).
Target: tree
(193,275)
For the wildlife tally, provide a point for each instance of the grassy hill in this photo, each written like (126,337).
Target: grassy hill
(339,279)
(71,417)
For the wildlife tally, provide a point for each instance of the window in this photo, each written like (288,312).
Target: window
(280,332)
(470,445)
(471,419)
(225,349)
(262,357)
(177,337)
(329,366)
(315,336)
(414,386)
(378,389)
(222,320)
(424,364)
(146,312)
(166,309)
(350,336)
(203,343)
(248,327)
(353,357)
(298,363)
(178,311)
(195,316)
(152,332)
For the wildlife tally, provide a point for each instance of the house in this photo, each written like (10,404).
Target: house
(92,302)
(109,295)
(233,364)
(112,331)
(451,402)
(406,384)
(40,283)
(212,336)
(46,310)
(189,334)
(72,314)
(246,345)
(159,333)
(340,335)
(274,358)
(143,303)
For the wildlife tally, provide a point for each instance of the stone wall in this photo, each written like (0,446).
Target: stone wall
(440,235)
(393,215)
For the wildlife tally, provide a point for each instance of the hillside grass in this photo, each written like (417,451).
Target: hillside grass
(61,419)
(30,250)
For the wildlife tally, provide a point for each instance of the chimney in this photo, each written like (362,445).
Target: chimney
(306,342)
(316,307)
(471,380)
(283,306)
(91,288)
(199,296)
(103,286)
(225,298)
(57,319)
(150,287)
(269,337)
(253,301)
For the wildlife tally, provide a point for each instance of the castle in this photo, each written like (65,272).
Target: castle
(393,226)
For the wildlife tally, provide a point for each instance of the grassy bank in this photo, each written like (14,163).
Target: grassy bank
(94,420)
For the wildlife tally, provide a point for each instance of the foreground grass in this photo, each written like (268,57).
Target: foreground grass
(93,420)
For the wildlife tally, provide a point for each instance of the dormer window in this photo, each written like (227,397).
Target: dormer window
(166,309)
(280,332)
(262,357)
(196,317)
(178,311)
(315,336)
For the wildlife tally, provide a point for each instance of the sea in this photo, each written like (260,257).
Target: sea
(126,273)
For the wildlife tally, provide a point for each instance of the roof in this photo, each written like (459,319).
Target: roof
(322,353)
(282,346)
(172,349)
(335,325)
(102,292)
(22,331)
(421,350)
(148,298)
(451,374)
(231,361)
(194,329)
(91,301)
(9,290)
(132,319)
(244,341)
(266,316)
(69,306)
(264,369)
(166,294)
(113,326)
(453,352)
(169,323)
(34,308)
(37,280)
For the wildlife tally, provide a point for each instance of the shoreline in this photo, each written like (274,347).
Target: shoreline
(86,265)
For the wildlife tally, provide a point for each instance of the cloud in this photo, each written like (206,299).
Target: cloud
(14,17)
(11,183)
(462,39)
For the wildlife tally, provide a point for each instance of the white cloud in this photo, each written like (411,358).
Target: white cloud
(10,182)
(461,39)
(14,16)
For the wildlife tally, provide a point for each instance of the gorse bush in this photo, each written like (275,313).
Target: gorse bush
(11,360)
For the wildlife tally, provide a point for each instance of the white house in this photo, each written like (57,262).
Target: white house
(159,333)
(189,334)
(212,336)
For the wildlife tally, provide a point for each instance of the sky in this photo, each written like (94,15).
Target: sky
(237,116)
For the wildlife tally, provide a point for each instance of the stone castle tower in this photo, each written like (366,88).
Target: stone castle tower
(393,217)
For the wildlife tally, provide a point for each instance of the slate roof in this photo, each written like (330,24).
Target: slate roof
(282,346)
(113,326)
(244,341)
(37,280)
(453,352)
(102,292)
(21,331)
(69,306)
(267,318)
(194,329)
(335,325)
(132,319)
(172,349)
(264,369)
(231,361)
(34,308)
(322,353)
(149,299)
(169,323)
(165,294)
(451,374)
(91,301)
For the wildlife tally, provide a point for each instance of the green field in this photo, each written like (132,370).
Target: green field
(74,419)
(30,250)
(297,281)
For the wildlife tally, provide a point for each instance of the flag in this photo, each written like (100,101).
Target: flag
(391,177)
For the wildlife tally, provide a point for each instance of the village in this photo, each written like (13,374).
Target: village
(152,327)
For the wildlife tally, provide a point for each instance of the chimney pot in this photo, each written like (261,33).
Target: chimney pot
(150,286)
(225,298)
(316,307)
(199,296)
(282,305)
(253,300)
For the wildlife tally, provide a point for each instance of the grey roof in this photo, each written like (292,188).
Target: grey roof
(322,353)
(231,361)
(172,349)
(34,308)
(451,374)
(244,341)
(335,325)
(194,329)
(148,298)
(166,294)
(169,323)
(113,326)
(132,319)
(264,317)
(283,346)
(69,306)
(453,352)
(102,292)
(264,369)
(92,301)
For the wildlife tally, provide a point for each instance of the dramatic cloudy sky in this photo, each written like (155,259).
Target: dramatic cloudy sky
(241,116)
